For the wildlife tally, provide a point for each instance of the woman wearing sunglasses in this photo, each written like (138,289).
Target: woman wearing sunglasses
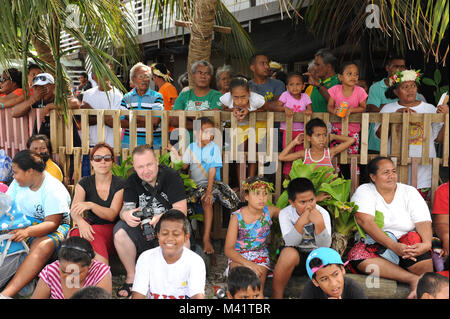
(97,202)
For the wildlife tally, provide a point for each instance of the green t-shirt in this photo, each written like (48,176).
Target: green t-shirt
(318,102)
(188,101)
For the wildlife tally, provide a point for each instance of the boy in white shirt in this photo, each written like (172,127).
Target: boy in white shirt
(170,271)
(305,226)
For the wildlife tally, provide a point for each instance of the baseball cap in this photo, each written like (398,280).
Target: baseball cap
(328,256)
(43,79)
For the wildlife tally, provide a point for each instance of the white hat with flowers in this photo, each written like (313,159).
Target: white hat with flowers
(403,76)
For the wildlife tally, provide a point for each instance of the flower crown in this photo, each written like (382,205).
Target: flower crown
(406,75)
(257,185)
(160,74)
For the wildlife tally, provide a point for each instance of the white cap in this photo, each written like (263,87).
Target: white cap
(43,79)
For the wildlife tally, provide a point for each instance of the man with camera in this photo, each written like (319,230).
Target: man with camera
(149,192)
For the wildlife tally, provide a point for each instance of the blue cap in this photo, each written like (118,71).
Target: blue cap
(327,255)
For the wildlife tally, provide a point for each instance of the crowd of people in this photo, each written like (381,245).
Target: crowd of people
(143,219)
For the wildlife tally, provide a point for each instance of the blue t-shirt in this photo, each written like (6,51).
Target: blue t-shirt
(269,89)
(50,199)
(208,157)
(151,100)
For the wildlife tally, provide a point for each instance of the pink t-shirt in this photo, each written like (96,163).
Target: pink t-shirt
(52,277)
(359,95)
(295,105)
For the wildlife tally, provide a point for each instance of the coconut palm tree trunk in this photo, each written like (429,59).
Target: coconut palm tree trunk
(201,32)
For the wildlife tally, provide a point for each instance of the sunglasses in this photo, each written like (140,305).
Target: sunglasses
(39,78)
(98,158)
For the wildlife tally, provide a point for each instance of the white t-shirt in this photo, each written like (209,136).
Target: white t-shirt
(309,240)
(415,140)
(99,100)
(255,100)
(156,279)
(400,216)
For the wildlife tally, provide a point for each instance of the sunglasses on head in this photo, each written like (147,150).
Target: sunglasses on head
(98,158)
(39,78)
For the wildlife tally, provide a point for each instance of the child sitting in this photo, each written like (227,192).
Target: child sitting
(432,286)
(305,226)
(75,268)
(243,283)
(326,271)
(249,228)
(294,101)
(170,271)
(204,160)
(241,101)
(318,153)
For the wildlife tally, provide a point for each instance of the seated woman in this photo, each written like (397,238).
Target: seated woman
(400,250)
(101,196)
(46,201)
(75,268)
(40,144)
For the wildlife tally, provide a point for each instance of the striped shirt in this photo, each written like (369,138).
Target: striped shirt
(151,100)
(52,277)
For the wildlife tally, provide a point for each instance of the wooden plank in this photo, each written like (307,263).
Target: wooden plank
(364,139)
(445,149)
(100,125)
(133,129)
(395,137)
(54,130)
(426,139)
(344,155)
(63,164)
(149,127)
(384,136)
(403,174)
(326,119)
(69,133)
(405,140)
(117,128)
(278,179)
(435,176)
(289,128)
(252,138)
(182,132)
(354,175)
(270,118)
(77,164)
(234,139)
(125,153)
(164,132)
(85,133)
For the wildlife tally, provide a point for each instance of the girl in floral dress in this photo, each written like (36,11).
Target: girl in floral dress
(249,228)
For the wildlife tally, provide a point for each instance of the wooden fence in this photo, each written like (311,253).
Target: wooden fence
(394,124)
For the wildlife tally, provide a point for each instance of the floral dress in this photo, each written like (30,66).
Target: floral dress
(252,238)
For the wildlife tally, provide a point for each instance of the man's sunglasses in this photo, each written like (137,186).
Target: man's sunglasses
(98,158)
(39,78)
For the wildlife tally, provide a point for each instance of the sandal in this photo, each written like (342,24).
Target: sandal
(126,287)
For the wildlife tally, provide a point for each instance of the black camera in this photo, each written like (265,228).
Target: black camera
(146,215)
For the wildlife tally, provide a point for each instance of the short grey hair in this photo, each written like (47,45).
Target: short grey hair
(203,63)
(137,66)
(222,69)
(327,57)
(311,64)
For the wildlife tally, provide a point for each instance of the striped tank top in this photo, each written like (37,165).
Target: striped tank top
(324,161)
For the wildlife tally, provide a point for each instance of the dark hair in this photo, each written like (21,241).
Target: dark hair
(317,262)
(174,215)
(33,66)
(205,120)
(254,56)
(299,185)
(76,250)
(141,149)
(239,81)
(15,75)
(394,57)
(315,122)
(346,64)
(431,283)
(327,57)
(372,167)
(292,74)
(281,75)
(84,74)
(240,278)
(389,93)
(27,159)
(162,68)
(100,145)
(91,292)
(41,137)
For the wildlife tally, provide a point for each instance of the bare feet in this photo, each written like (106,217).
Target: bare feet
(207,246)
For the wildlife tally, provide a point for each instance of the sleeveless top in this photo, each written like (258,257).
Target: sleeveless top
(52,277)
(253,237)
(324,161)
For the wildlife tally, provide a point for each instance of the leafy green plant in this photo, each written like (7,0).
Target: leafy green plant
(123,170)
(435,82)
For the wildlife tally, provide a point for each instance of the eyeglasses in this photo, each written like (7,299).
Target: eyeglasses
(143,76)
(98,158)
(39,78)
